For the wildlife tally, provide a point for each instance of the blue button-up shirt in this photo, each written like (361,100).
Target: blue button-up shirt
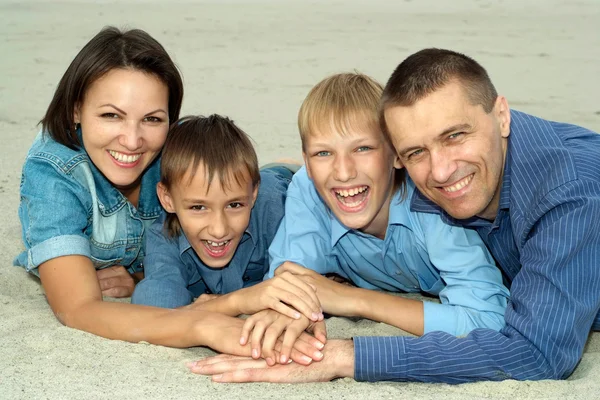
(546,239)
(175,275)
(419,253)
(69,208)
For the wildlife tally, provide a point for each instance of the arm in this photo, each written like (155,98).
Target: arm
(474,295)
(350,301)
(559,274)
(338,362)
(74,295)
(167,277)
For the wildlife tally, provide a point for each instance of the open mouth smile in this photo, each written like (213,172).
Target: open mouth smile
(123,158)
(216,249)
(458,185)
(353,198)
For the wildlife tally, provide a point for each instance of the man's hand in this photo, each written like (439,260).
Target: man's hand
(335,298)
(267,327)
(338,362)
(116,281)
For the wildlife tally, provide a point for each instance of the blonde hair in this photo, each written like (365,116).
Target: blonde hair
(347,101)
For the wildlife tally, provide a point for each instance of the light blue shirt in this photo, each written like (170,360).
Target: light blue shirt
(419,253)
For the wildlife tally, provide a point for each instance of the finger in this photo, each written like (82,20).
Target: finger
(216,359)
(246,329)
(270,339)
(302,288)
(254,374)
(319,329)
(107,283)
(116,270)
(306,350)
(118,292)
(227,366)
(289,338)
(256,338)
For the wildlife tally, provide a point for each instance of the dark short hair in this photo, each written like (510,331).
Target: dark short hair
(224,150)
(111,48)
(428,70)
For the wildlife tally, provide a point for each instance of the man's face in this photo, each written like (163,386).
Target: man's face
(453,150)
(354,175)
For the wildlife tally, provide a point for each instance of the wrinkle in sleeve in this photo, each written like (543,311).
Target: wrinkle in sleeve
(53,214)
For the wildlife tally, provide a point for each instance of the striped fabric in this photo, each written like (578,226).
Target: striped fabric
(546,239)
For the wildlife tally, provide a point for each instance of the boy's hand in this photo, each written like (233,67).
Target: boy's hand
(335,298)
(268,328)
(286,293)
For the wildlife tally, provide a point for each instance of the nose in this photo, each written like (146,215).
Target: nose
(218,227)
(442,165)
(344,168)
(131,136)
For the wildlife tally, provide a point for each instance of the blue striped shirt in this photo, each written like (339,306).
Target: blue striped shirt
(546,239)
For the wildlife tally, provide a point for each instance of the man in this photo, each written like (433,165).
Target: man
(529,187)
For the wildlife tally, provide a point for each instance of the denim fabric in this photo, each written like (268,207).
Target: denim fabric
(419,253)
(69,208)
(175,275)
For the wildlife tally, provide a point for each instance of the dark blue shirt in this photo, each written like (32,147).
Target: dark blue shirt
(175,275)
(546,239)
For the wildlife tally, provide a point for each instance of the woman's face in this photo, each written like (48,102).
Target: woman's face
(124,121)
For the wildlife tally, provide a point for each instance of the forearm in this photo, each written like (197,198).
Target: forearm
(135,323)
(227,304)
(403,313)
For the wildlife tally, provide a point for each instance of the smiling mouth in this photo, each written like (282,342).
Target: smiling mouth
(216,249)
(352,198)
(124,158)
(458,185)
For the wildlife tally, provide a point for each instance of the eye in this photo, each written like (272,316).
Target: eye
(235,204)
(322,153)
(153,119)
(197,207)
(414,154)
(110,116)
(455,135)
(363,148)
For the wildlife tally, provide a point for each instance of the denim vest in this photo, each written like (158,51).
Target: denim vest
(68,207)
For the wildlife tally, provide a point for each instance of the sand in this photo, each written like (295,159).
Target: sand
(255,61)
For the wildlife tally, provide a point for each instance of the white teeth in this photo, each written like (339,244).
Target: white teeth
(124,158)
(351,192)
(217,244)
(459,185)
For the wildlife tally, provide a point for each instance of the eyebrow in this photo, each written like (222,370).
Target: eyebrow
(124,113)
(453,128)
(199,200)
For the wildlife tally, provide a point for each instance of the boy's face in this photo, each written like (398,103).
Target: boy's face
(213,220)
(354,174)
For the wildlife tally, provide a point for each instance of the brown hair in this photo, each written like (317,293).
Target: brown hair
(344,100)
(223,149)
(109,49)
(428,70)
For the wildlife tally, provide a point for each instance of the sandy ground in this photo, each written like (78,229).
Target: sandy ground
(255,61)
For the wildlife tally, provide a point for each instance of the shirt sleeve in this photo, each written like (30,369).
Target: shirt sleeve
(304,235)
(474,295)
(166,277)
(554,301)
(53,214)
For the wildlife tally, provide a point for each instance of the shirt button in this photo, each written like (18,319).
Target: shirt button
(245,278)
(207,291)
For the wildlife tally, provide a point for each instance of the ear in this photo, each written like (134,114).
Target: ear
(77,113)
(165,198)
(503,115)
(397,163)
(304,158)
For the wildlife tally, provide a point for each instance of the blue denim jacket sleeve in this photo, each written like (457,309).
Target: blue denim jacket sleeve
(166,276)
(304,236)
(53,213)
(474,295)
